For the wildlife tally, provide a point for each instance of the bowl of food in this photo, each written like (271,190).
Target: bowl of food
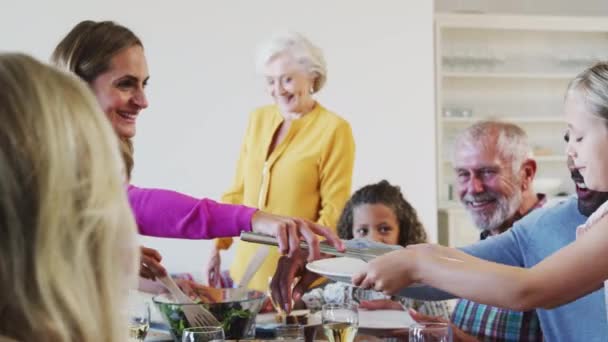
(235,309)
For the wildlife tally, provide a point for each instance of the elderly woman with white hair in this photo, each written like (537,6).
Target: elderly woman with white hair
(296,158)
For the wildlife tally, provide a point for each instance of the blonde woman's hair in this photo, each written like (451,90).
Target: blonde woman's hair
(308,55)
(592,84)
(67,249)
(87,51)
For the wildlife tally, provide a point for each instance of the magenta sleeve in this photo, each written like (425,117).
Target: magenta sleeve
(166,213)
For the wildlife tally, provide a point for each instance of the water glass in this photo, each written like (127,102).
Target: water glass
(290,332)
(203,334)
(430,332)
(139,318)
(340,322)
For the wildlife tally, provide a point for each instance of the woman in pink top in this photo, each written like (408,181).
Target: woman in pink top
(110,59)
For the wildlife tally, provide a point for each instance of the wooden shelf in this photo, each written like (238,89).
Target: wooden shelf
(501,75)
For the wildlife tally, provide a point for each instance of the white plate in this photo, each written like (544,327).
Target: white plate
(339,269)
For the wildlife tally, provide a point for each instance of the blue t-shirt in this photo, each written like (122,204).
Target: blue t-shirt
(532,239)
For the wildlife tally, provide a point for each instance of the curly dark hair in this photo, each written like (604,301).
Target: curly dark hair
(411,230)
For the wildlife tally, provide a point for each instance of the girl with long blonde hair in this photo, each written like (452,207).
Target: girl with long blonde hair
(67,251)
(570,273)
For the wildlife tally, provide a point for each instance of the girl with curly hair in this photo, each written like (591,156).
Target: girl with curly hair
(380,213)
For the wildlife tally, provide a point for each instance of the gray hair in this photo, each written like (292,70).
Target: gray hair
(592,84)
(308,55)
(511,140)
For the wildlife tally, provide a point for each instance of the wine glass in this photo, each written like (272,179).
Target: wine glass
(290,332)
(430,332)
(139,317)
(203,334)
(340,322)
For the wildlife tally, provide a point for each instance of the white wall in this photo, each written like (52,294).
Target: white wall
(203,85)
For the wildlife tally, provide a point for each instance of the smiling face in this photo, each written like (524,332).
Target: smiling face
(376,222)
(587,137)
(486,184)
(288,84)
(120,90)
(588,200)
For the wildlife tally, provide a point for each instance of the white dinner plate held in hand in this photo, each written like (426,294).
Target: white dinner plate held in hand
(338,269)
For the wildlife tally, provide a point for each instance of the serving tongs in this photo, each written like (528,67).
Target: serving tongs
(358,249)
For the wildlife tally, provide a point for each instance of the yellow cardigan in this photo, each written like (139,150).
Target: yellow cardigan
(308,175)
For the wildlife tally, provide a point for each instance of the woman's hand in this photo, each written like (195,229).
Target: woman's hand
(390,272)
(290,231)
(199,291)
(150,267)
(213,269)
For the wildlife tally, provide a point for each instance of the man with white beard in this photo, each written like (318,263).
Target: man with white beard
(531,239)
(494,174)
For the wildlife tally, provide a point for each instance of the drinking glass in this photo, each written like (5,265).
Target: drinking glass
(203,334)
(290,332)
(139,317)
(430,332)
(340,322)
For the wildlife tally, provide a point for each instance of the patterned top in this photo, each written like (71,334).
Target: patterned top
(591,221)
(488,323)
(339,293)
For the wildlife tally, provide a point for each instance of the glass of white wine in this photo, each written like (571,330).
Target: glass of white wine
(340,322)
(203,334)
(290,332)
(139,318)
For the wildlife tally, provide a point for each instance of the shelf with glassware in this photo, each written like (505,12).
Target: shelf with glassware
(512,65)
(510,68)
(514,69)
(511,75)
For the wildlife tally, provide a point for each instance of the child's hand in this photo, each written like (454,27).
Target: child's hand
(389,273)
